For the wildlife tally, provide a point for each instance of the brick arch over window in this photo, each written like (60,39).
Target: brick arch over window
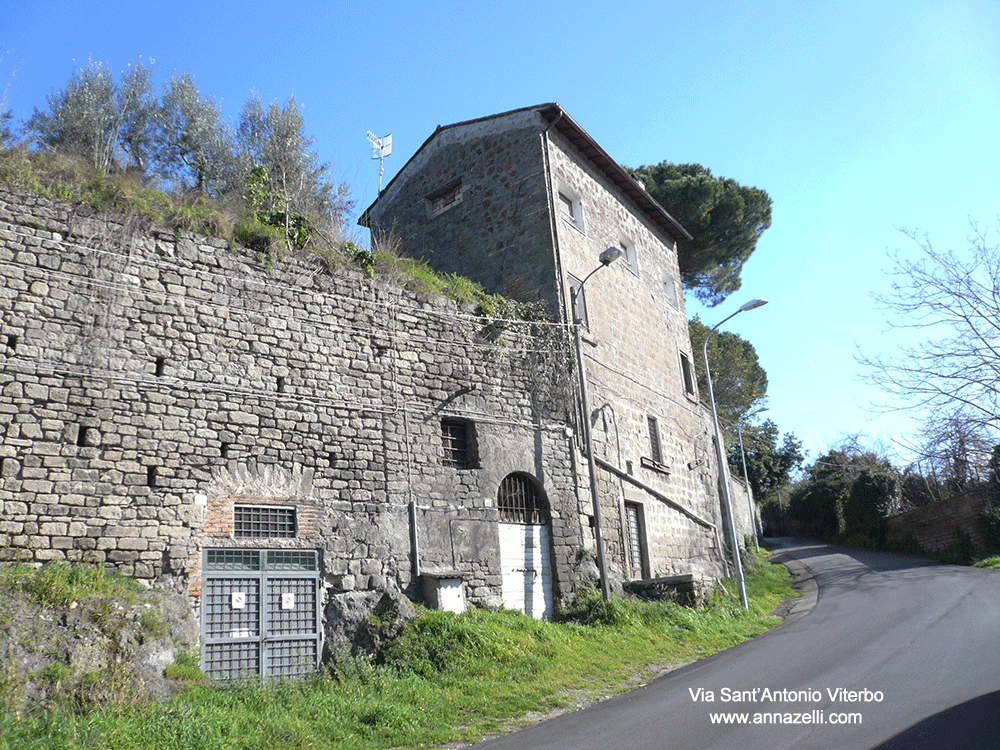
(520,500)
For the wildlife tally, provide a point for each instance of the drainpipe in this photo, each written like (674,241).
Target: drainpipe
(414,539)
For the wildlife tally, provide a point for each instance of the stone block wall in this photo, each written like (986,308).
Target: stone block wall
(496,229)
(504,223)
(939,525)
(151,381)
(637,333)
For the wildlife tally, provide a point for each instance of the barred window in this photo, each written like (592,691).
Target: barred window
(520,501)
(257,521)
(457,440)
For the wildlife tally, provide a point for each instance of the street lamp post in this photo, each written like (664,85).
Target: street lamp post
(746,479)
(720,452)
(608,257)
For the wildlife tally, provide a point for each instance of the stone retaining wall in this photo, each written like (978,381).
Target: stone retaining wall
(150,382)
(939,525)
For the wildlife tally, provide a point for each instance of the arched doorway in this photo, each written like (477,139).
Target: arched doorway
(525,546)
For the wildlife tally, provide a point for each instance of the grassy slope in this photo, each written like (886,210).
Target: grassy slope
(447,678)
(63,178)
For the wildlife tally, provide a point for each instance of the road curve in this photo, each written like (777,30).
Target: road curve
(906,651)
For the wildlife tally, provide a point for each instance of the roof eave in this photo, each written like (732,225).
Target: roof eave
(556,116)
(572,132)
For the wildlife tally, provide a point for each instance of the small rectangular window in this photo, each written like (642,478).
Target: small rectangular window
(654,440)
(570,208)
(442,200)
(688,373)
(670,289)
(578,301)
(457,442)
(630,257)
(566,206)
(256,521)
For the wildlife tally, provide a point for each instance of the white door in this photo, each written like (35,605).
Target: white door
(526,567)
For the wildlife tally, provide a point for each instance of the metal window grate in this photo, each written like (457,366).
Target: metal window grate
(455,441)
(291,606)
(231,607)
(254,522)
(295,658)
(260,613)
(654,440)
(519,501)
(230,661)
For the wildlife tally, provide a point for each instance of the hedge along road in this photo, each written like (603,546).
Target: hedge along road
(897,652)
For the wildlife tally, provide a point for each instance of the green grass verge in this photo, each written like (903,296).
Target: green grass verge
(59,583)
(446,678)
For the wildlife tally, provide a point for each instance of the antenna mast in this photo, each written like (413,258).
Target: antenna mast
(382,148)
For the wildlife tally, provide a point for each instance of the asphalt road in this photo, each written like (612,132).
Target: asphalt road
(922,639)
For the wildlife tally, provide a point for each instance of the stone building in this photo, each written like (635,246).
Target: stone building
(287,444)
(525,202)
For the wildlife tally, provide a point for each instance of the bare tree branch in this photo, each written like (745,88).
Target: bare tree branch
(955,300)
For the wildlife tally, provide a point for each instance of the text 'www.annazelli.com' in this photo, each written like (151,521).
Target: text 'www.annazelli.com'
(816,716)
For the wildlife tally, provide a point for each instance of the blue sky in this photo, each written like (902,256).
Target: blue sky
(857,117)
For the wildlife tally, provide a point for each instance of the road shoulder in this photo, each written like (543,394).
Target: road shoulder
(793,608)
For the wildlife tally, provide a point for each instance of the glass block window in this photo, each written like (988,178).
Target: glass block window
(257,521)
(457,442)
(520,501)
(636,551)
(292,559)
(233,559)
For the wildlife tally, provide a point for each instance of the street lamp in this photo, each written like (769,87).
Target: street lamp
(746,478)
(608,257)
(752,304)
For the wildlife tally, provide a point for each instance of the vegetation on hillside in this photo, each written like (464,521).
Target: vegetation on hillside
(72,634)
(849,493)
(445,678)
(175,161)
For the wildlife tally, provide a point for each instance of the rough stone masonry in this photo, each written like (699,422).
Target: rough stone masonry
(164,394)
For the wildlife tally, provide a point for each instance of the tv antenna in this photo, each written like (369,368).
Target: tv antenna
(382,147)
